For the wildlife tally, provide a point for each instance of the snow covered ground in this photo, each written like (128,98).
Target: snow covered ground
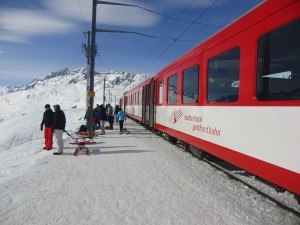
(138,178)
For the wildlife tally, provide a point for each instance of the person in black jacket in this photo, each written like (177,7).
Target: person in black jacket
(48,122)
(59,125)
(110,116)
(117,109)
(102,118)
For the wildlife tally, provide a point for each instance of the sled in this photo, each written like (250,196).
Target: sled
(80,143)
(85,134)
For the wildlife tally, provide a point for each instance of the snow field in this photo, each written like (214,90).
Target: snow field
(138,178)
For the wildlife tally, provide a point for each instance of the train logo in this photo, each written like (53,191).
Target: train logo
(175,116)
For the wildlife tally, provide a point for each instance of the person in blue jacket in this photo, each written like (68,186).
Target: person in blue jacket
(121,117)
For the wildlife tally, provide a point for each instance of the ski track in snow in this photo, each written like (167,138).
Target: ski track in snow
(137,178)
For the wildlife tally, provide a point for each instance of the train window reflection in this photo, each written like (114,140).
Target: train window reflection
(278,71)
(223,77)
(191,85)
(172,89)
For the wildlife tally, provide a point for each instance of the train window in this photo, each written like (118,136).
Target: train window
(223,77)
(160,99)
(278,71)
(191,85)
(172,89)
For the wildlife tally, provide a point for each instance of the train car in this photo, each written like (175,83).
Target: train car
(237,95)
(140,102)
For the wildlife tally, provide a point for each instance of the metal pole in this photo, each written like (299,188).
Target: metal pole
(88,70)
(104,92)
(91,93)
(92,71)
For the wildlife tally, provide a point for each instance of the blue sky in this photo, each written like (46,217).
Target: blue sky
(38,37)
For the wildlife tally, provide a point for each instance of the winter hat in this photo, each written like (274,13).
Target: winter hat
(56,107)
(47,106)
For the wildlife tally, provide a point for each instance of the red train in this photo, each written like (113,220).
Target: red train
(235,96)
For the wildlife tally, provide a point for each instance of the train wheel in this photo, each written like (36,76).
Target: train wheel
(279,189)
(186,146)
(202,154)
(172,139)
(212,158)
(297,197)
(198,152)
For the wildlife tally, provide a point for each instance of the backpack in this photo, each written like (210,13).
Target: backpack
(82,128)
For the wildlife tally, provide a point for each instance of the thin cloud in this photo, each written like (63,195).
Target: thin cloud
(19,25)
(106,14)
(15,38)
(9,74)
(181,3)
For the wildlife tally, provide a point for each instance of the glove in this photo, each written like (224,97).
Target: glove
(41,127)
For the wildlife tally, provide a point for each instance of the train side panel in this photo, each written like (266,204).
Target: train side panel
(252,138)
(259,134)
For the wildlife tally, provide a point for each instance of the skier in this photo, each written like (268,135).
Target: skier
(48,122)
(59,125)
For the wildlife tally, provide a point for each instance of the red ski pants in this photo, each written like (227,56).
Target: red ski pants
(48,137)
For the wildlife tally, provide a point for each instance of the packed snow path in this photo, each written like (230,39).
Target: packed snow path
(138,178)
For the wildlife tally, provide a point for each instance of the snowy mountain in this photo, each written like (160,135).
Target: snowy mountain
(22,107)
(67,76)
(68,88)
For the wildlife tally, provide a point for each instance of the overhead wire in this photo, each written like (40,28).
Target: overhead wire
(167,31)
(80,11)
(177,19)
(142,34)
(84,33)
(161,14)
(168,47)
(158,13)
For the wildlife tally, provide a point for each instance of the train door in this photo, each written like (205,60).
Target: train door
(151,104)
(125,103)
(144,104)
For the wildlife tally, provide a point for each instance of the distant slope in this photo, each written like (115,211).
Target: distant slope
(22,107)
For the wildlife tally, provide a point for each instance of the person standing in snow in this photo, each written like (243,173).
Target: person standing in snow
(102,118)
(110,114)
(121,117)
(48,122)
(59,125)
(117,109)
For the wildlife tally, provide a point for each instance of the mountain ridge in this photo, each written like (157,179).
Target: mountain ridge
(67,88)
(78,75)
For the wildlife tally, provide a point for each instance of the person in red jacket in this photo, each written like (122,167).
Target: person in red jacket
(48,117)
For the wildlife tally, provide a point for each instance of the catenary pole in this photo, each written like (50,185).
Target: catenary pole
(92,70)
(104,91)
(91,93)
(88,71)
